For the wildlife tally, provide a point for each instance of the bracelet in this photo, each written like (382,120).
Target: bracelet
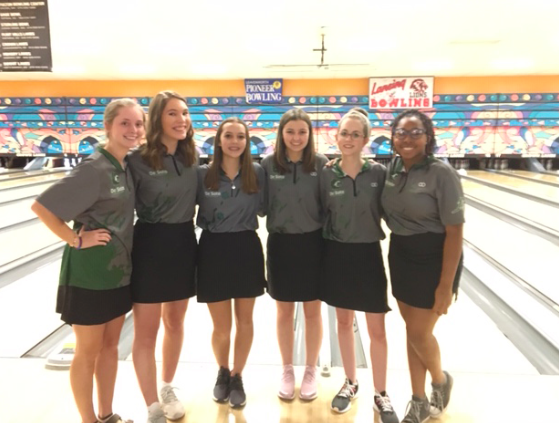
(79,247)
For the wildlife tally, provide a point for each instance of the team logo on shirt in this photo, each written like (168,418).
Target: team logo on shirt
(116,179)
(313,173)
(422,185)
(374,184)
(336,183)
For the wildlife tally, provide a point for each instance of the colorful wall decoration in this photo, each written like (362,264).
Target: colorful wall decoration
(505,125)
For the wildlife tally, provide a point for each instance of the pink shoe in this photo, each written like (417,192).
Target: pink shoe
(287,385)
(310,385)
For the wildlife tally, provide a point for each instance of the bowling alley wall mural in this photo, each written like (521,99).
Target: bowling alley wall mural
(466,125)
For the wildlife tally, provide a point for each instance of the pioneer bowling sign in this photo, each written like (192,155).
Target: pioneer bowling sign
(401,93)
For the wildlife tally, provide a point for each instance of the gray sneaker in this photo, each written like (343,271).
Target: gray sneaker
(221,388)
(156,416)
(383,406)
(440,396)
(342,401)
(417,411)
(237,396)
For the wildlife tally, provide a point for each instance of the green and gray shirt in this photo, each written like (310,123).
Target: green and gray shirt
(97,194)
(352,206)
(425,199)
(293,199)
(167,195)
(229,209)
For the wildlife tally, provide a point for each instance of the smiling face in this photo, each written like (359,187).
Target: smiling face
(351,136)
(233,140)
(175,120)
(410,140)
(296,136)
(127,128)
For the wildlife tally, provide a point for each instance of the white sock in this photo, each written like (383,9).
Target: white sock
(164,384)
(154,407)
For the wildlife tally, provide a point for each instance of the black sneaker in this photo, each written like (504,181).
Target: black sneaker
(417,411)
(342,401)
(237,396)
(440,396)
(221,388)
(383,406)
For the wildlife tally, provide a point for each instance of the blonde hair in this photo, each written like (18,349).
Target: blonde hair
(113,108)
(357,114)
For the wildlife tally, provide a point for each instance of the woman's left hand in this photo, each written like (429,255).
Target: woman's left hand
(443,300)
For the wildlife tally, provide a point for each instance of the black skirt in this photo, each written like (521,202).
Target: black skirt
(163,262)
(416,262)
(353,277)
(293,265)
(230,265)
(80,306)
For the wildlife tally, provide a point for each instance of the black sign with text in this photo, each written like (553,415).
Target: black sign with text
(24,36)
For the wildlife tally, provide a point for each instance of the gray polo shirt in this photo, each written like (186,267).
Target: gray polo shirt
(425,199)
(98,193)
(229,209)
(352,206)
(167,195)
(293,200)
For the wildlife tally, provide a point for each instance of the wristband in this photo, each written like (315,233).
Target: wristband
(79,246)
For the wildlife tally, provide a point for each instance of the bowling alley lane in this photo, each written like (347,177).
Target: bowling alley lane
(527,255)
(24,175)
(20,183)
(534,175)
(543,214)
(525,186)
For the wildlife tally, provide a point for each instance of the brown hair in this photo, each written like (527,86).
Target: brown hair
(280,149)
(154,150)
(248,175)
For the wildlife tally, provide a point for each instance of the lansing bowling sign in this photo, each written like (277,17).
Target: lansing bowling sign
(401,93)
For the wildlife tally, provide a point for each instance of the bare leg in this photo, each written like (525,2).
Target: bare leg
(378,348)
(106,366)
(173,319)
(284,326)
(245,332)
(346,341)
(147,318)
(313,331)
(221,336)
(89,342)
(423,349)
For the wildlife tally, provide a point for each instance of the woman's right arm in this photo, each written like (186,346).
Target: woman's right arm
(66,234)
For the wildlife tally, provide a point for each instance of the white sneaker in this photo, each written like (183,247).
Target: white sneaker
(155,414)
(172,407)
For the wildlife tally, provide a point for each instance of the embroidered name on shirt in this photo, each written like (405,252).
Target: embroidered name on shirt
(117,190)
(212,193)
(337,193)
(158,172)
(276,177)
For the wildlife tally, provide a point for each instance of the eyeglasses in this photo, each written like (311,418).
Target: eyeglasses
(353,135)
(415,133)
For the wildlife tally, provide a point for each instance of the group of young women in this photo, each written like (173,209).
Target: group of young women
(324,225)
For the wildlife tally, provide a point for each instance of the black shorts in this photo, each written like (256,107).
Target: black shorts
(230,265)
(81,306)
(416,262)
(163,262)
(293,265)
(353,277)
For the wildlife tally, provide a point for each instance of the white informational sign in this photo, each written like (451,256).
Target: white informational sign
(401,93)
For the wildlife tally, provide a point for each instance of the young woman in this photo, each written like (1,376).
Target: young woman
(164,252)
(94,291)
(230,259)
(294,250)
(424,206)
(353,277)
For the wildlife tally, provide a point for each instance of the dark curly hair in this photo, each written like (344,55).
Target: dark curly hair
(427,125)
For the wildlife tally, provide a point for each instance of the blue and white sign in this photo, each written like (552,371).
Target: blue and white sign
(263,90)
